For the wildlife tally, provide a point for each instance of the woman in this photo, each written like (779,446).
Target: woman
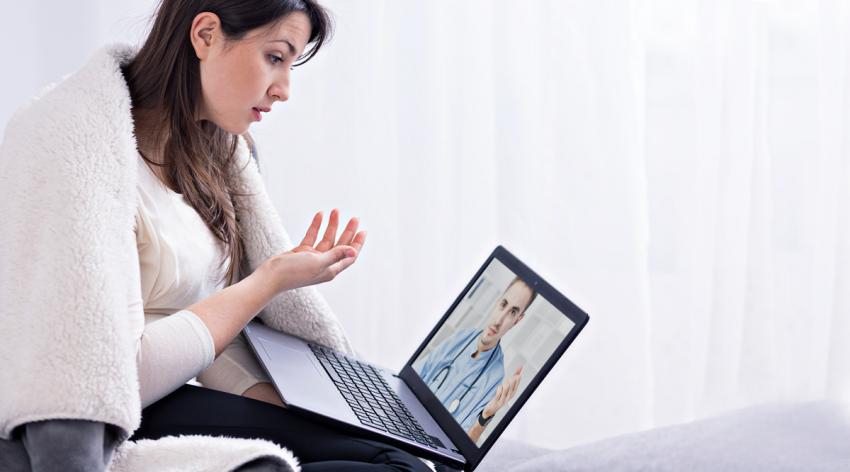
(207,70)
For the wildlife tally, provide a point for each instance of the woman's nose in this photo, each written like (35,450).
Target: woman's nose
(280,91)
(280,95)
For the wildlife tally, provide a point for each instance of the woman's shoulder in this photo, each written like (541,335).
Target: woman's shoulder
(81,126)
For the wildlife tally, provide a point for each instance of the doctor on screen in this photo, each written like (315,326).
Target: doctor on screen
(466,371)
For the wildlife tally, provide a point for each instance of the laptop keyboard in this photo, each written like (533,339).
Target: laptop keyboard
(369,395)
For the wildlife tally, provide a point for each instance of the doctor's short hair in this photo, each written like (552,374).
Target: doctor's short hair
(517,279)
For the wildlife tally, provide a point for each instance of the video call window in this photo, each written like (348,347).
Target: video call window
(490,348)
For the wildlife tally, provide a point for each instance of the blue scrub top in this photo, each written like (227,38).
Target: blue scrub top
(462,373)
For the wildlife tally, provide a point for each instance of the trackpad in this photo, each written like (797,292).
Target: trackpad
(282,358)
(297,374)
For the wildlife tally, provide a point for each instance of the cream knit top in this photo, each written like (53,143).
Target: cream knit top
(178,265)
(179,256)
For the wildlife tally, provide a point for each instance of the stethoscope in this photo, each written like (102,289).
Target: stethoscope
(447,368)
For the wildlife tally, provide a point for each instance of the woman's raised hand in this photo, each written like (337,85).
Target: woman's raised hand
(349,237)
(310,263)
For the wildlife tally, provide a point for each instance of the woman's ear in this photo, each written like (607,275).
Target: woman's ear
(205,31)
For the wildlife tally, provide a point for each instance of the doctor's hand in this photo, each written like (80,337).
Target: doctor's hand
(504,393)
(310,263)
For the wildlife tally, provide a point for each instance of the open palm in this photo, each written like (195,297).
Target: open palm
(349,237)
(310,263)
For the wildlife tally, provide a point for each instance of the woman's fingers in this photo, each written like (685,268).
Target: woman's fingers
(338,253)
(312,231)
(348,234)
(358,241)
(349,237)
(329,238)
(339,258)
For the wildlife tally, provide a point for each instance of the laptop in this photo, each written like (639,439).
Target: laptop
(461,387)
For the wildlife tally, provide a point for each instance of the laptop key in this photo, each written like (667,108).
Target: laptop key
(371,399)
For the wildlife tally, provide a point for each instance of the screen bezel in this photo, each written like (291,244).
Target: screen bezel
(472,453)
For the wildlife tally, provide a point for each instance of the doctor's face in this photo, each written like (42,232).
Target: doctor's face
(241,79)
(509,310)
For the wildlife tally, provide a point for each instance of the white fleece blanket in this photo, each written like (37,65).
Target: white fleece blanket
(68,200)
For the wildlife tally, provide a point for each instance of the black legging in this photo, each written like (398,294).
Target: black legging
(318,447)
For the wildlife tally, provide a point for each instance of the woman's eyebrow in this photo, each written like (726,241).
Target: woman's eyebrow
(288,43)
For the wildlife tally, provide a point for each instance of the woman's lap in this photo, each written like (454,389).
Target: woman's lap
(318,447)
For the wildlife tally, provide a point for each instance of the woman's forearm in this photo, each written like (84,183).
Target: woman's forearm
(228,311)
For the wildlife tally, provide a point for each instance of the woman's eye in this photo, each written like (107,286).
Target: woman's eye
(275,59)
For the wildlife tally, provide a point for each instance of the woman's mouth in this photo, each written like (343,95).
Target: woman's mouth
(257,115)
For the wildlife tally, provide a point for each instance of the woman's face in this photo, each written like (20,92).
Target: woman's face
(241,79)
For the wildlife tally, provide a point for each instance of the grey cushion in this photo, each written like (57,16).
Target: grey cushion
(811,436)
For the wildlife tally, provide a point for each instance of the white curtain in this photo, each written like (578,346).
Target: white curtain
(678,168)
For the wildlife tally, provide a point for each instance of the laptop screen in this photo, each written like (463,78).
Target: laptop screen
(490,348)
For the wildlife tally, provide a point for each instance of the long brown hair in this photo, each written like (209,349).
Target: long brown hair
(165,76)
